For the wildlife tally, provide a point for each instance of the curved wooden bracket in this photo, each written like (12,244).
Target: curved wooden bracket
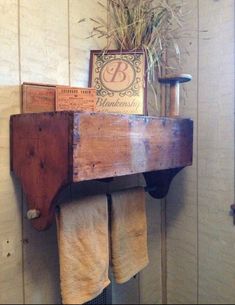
(158,182)
(41,208)
(40,159)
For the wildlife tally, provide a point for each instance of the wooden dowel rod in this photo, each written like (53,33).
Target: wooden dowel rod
(174,99)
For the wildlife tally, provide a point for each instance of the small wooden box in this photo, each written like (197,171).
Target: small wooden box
(38,98)
(75,99)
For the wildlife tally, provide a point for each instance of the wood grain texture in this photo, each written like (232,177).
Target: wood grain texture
(36,98)
(42,160)
(11,283)
(182,266)
(200,230)
(80,44)
(115,145)
(216,152)
(44,41)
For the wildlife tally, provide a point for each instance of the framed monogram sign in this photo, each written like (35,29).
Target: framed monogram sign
(120,82)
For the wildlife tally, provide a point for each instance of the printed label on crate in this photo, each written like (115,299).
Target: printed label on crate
(75,99)
(38,98)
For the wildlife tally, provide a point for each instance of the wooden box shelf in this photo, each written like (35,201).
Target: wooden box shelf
(51,150)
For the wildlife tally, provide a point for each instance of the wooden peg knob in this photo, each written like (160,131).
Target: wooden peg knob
(33,214)
(174,81)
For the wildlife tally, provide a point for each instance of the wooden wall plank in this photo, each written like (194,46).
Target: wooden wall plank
(150,278)
(182,199)
(80,45)
(45,59)
(44,41)
(127,293)
(204,260)
(216,152)
(11,280)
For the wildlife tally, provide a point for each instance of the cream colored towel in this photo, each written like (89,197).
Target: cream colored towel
(128,234)
(82,228)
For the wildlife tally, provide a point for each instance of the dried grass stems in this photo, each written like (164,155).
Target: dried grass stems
(149,25)
(142,25)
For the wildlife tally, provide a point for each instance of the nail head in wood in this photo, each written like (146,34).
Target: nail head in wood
(33,214)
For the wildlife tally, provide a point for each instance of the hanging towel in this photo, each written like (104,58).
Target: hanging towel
(128,234)
(82,228)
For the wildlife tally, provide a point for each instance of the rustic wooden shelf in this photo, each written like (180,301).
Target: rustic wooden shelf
(54,149)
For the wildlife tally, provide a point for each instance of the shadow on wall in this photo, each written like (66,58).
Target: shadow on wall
(178,202)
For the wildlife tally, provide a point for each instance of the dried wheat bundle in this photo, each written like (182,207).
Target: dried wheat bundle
(141,25)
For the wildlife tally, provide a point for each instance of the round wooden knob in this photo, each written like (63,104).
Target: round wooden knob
(33,214)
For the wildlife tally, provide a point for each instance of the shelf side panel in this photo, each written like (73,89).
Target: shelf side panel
(40,158)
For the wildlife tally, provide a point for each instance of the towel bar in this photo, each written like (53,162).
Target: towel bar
(54,149)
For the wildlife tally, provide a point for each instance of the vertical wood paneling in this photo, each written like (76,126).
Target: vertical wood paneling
(44,41)
(201,238)
(11,284)
(127,293)
(216,152)
(182,198)
(80,45)
(44,58)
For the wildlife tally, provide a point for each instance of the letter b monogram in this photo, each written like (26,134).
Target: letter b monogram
(117,75)
(115,72)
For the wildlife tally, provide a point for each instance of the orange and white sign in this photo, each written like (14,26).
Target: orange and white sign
(75,99)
